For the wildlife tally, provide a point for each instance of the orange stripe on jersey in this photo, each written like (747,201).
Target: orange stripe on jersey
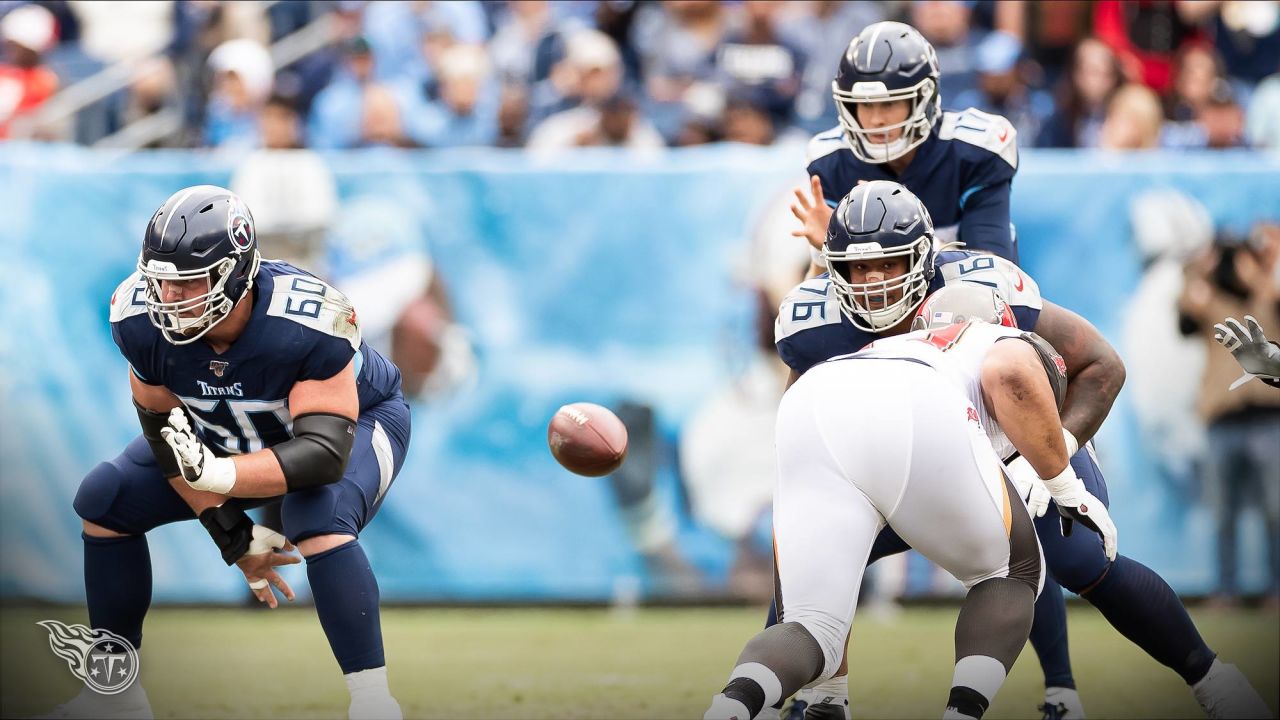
(1008,511)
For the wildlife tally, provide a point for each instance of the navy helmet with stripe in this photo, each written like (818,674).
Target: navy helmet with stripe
(205,233)
(880,220)
(888,61)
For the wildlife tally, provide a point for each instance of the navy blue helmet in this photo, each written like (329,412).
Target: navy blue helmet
(888,61)
(879,220)
(200,233)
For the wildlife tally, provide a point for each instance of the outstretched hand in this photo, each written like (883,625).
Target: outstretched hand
(813,213)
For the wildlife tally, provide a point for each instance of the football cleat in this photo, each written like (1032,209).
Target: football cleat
(810,705)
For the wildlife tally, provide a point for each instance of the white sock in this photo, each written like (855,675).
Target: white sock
(981,673)
(764,677)
(723,708)
(367,683)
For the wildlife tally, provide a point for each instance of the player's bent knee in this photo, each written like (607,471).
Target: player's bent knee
(827,633)
(320,543)
(97,493)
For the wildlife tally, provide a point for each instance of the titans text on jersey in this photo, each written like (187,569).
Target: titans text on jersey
(301,329)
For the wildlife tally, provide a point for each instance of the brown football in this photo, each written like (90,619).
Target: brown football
(587,439)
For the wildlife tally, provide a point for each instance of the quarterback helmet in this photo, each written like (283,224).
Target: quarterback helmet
(876,221)
(963,302)
(201,232)
(888,61)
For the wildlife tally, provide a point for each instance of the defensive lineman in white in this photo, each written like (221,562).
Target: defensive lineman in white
(893,435)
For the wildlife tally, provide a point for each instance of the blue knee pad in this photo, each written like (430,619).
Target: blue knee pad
(129,494)
(98,492)
(1078,561)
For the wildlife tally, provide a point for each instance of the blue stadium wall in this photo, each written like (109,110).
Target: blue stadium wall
(594,278)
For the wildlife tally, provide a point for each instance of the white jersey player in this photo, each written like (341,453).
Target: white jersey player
(892,435)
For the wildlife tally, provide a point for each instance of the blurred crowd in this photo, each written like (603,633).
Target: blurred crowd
(546,75)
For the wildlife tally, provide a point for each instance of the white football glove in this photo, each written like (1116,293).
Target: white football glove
(200,467)
(265,540)
(1249,345)
(1076,504)
(1030,487)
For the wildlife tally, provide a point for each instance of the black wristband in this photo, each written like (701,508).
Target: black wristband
(152,423)
(231,530)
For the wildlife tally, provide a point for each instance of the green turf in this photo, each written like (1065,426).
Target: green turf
(548,663)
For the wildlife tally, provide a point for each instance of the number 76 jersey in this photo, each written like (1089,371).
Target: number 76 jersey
(300,329)
(811,328)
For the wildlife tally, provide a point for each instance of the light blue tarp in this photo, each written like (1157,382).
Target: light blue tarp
(595,278)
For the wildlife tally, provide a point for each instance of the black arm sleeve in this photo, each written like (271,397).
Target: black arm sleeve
(152,423)
(317,455)
(231,530)
(1054,367)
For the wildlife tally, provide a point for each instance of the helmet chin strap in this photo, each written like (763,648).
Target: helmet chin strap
(891,150)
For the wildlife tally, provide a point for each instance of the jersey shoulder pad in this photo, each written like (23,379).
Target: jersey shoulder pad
(810,304)
(129,298)
(315,304)
(824,143)
(989,132)
(1016,287)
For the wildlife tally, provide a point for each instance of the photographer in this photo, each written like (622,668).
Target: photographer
(1234,278)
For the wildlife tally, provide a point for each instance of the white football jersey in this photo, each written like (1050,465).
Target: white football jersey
(956,351)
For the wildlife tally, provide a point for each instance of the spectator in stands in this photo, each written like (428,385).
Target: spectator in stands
(946,24)
(242,80)
(606,113)
(1082,97)
(465,111)
(1221,118)
(335,114)
(396,31)
(25,83)
(756,59)
(1233,279)
(1196,70)
(1245,34)
(1134,119)
(1003,90)
(616,121)
(381,119)
(823,34)
(1052,31)
(1146,35)
(749,118)
(678,53)
(1262,126)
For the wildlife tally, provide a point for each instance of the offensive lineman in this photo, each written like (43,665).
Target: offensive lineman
(251,382)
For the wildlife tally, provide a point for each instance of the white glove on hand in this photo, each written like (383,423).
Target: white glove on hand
(1076,504)
(1030,487)
(1249,345)
(200,467)
(265,540)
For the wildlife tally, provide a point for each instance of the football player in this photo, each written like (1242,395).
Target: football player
(881,262)
(961,165)
(251,381)
(893,436)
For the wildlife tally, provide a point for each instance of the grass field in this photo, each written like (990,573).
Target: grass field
(574,663)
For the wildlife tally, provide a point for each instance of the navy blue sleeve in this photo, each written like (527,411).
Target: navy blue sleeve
(140,355)
(984,220)
(327,357)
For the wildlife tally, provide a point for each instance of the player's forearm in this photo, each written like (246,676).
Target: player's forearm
(198,500)
(1019,397)
(1090,395)
(258,475)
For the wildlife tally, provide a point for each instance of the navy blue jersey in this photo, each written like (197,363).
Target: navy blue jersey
(300,329)
(963,174)
(811,329)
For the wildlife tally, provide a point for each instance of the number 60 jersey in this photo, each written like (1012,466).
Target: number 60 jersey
(811,328)
(300,329)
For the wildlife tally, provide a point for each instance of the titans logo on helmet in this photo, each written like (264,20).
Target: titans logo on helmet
(240,226)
